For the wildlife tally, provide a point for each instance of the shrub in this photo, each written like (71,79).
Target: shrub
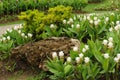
(36,21)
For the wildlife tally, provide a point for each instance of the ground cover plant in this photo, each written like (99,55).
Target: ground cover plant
(102,5)
(97,59)
(16,6)
(98,56)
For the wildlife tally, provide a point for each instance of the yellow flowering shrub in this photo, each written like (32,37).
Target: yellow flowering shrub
(35,21)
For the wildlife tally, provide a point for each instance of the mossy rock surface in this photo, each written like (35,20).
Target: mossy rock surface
(36,53)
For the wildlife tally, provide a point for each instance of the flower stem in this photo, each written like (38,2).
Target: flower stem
(107,76)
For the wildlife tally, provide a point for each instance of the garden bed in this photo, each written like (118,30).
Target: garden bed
(96,57)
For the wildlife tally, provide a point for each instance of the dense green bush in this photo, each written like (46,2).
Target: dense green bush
(16,6)
(36,21)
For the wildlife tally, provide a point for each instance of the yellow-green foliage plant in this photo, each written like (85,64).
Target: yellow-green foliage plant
(36,21)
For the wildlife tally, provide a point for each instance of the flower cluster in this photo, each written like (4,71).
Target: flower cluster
(106,55)
(60,55)
(85,48)
(108,42)
(4,39)
(117,58)
(115,28)
(16,35)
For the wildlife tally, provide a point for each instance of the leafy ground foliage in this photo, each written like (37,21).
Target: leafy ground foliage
(105,5)
(16,6)
(98,56)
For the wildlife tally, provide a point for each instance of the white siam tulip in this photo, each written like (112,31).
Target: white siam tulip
(96,22)
(86,47)
(5,32)
(91,21)
(21,26)
(81,55)
(52,26)
(88,18)
(69,59)
(19,31)
(112,23)
(78,26)
(118,25)
(72,25)
(117,22)
(116,59)
(91,14)
(9,30)
(118,55)
(116,28)
(4,39)
(107,19)
(75,48)
(95,18)
(110,45)
(68,22)
(106,55)
(110,39)
(111,29)
(84,50)
(54,55)
(61,54)
(86,59)
(74,18)
(29,35)
(8,37)
(16,27)
(117,9)
(25,36)
(77,60)
(71,20)
(105,42)
(22,34)
(80,19)
(78,16)
(64,21)
(84,18)
(112,14)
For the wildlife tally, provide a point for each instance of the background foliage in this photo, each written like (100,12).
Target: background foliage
(17,6)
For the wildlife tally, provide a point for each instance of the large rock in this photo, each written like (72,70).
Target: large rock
(36,53)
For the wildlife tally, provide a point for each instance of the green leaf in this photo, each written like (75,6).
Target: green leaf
(105,65)
(68,69)
(73,54)
(95,51)
(67,32)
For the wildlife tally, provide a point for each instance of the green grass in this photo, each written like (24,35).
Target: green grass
(12,23)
